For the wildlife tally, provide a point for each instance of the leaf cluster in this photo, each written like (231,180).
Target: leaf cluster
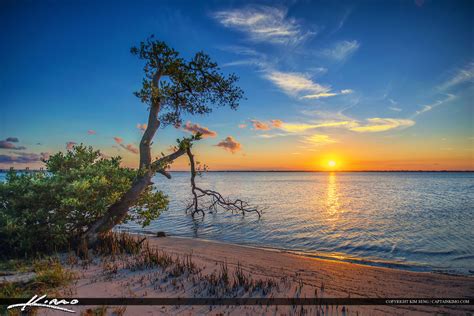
(180,86)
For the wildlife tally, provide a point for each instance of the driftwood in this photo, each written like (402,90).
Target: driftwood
(7,277)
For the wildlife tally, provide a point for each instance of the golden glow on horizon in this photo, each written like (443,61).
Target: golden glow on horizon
(350,156)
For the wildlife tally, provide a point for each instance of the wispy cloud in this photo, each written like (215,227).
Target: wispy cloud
(271,135)
(378,124)
(301,85)
(463,75)
(118,140)
(196,128)
(294,83)
(242,125)
(303,127)
(429,107)
(342,20)
(230,144)
(319,95)
(375,124)
(12,139)
(341,50)
(91,132)
(326,94)
(263,24)
(318,139)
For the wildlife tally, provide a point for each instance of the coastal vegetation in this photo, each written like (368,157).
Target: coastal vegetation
(45,212)
(83,194)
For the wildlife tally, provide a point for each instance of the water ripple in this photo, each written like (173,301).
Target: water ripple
(408,219)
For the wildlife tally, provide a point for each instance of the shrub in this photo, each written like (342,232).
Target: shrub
(42,212)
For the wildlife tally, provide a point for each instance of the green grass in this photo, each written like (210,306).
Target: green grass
(50,276)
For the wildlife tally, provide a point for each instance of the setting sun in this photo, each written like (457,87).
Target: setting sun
(331,163)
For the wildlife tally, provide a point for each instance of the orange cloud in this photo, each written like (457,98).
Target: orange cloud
(276,123)
(196,128)
(142,127)
(230,144)
(131,148)
(260,126)
(70,145)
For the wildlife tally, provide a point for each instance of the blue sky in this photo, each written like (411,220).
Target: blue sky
(375,85)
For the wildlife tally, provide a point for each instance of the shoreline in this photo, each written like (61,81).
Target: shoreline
(302,255)
(335,257)
(295,276)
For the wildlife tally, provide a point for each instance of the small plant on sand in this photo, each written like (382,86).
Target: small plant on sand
(111,244)
(50,274)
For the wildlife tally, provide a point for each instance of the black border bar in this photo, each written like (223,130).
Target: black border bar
(253,301)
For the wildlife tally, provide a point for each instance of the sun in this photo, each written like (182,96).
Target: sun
(332,163)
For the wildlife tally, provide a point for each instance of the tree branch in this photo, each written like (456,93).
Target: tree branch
(213,199)
(161,164)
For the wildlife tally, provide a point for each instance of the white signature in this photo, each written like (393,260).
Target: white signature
(39,301)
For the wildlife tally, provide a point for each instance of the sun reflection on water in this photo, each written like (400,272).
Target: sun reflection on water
(332,199)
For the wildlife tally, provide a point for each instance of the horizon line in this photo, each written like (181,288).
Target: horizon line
(276,170)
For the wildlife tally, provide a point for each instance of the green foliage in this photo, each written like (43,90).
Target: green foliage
(50,275)
(41,212)
(180,86)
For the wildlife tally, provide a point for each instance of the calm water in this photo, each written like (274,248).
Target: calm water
(416,221)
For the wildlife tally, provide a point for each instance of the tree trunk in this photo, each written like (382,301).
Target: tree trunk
(117,211)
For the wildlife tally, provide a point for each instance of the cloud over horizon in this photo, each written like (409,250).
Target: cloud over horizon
(24,158)
(129,147)
(230,144)
(8,144)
